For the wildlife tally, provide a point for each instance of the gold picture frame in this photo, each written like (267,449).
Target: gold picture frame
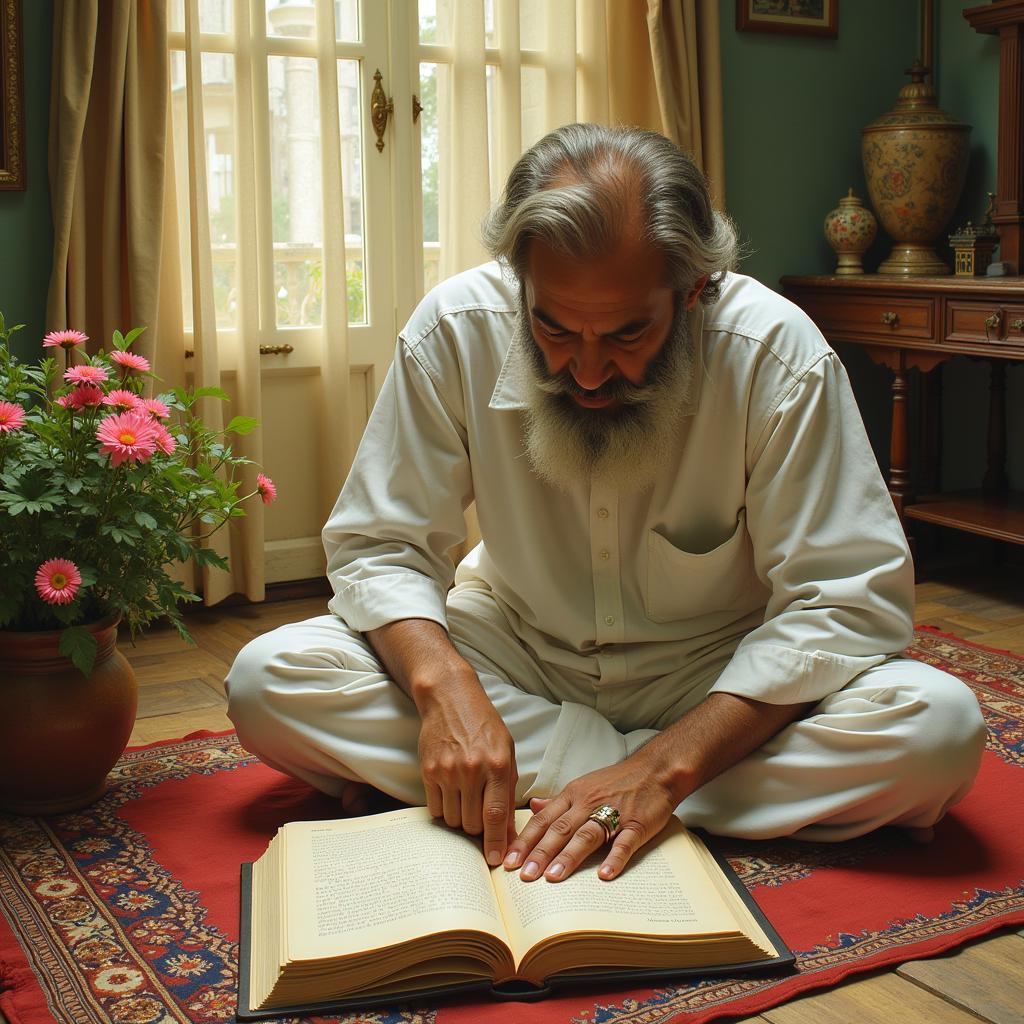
(790,17)
(12,98)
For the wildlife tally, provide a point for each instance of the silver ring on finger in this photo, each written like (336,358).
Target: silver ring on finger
(607,817)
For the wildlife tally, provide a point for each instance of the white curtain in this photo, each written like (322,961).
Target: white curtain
(650,63)
(254,308)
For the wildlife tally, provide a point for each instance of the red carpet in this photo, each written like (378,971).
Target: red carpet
(127,912)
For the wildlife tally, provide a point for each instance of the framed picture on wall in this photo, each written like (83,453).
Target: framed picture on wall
(792,17)
(12,97)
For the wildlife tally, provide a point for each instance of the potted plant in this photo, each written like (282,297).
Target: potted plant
(102,490)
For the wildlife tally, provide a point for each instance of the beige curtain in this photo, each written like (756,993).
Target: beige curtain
(108,120)
(687,71)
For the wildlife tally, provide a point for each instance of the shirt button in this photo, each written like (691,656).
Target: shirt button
(602,513)
(609,620)
(605,553)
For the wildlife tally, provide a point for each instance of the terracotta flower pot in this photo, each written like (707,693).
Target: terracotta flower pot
(61,732)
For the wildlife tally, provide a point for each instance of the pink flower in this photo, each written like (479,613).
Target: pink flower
(121,399)
(164,440)
(85,374)
(64,401)
(130,361)
(57,581)
(66,340)
(12,417)
(85,396)
(128,436)
(266,488)
(156,408)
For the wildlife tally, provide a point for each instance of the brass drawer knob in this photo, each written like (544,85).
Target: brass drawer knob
(891,319)
(993,321)
(1018,324)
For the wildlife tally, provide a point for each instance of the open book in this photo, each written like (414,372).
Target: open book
(388,907)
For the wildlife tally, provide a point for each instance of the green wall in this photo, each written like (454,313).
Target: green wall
(26,227)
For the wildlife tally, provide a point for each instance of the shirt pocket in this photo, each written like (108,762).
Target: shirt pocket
(683,585)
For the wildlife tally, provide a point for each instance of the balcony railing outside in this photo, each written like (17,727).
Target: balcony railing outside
(298,282)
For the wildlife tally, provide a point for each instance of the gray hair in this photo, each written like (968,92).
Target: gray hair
(579,187)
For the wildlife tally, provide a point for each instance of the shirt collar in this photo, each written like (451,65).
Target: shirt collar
(511,388)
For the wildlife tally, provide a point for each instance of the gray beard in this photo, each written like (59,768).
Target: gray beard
(568,444)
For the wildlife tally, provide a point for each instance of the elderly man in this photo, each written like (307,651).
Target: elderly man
(692,588)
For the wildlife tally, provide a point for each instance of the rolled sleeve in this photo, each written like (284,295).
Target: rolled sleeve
(827,543)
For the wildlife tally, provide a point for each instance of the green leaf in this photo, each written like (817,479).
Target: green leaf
(211,392)
(132,335)
(207,556)
(78,644)
(119,342)
(242,425)
(146,521)
(74,485)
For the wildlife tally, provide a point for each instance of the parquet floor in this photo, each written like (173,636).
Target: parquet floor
(181,690)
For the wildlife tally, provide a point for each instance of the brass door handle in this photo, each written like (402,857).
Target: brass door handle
(276,350)
(993,320)
(381,108)
(891,319)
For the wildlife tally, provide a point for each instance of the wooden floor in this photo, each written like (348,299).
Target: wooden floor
(182,689)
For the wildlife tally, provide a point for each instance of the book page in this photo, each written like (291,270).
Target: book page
(365,883)
(664,890)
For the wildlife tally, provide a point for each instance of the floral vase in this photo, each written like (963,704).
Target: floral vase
(61,732)
(850,229)
(915,163)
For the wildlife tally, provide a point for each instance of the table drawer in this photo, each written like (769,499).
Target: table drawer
(985,322)
(871,317)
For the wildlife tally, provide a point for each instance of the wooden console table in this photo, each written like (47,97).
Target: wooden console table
(916,324)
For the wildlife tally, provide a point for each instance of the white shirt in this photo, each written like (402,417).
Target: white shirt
(769,532)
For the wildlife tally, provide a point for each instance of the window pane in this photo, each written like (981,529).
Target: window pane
(435,21)
(219,125)
(351,127)
(179,116)
(533,85)
(489,37)
(215,15)
(429,144)
(532,24)
(297,20)
(346,21)
(297,210)
(176,14)
(218,99)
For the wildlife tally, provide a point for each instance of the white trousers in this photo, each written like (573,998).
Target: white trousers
(899,744)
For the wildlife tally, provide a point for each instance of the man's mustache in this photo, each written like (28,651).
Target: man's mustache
(617,388)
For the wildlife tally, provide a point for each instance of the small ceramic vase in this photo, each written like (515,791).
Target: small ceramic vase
(850,229)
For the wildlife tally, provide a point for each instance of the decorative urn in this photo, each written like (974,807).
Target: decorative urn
(850,229)
(915,163)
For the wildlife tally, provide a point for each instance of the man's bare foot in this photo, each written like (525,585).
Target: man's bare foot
(359,798)
(919,835)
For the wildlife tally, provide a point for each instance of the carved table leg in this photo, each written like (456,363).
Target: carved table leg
(899,444)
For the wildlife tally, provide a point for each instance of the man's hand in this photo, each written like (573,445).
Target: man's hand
(559,837)
(468,763)
(467,755)
(645,788)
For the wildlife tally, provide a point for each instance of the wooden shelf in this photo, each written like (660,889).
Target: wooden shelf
(1000,517)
